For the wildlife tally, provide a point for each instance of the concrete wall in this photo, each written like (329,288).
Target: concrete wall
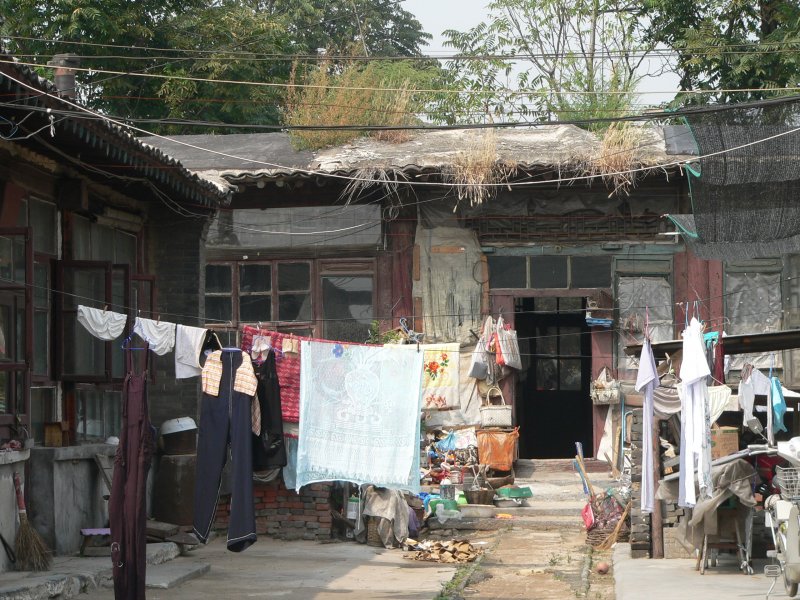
(65,494)
(9,463)
(175,254)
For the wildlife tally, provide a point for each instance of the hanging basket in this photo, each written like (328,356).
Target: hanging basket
(495,415)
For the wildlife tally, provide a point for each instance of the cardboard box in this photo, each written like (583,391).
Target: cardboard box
(724,441)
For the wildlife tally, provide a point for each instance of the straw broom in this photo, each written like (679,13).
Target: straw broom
(32,553)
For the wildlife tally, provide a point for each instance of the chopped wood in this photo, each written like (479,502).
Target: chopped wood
(444,552)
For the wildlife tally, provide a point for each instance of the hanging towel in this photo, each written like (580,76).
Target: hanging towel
(695,418)
(103,324)
(159,335)
(188,346)
(646,381)
(440,376)
(245,381)
(778,406)
(359,414)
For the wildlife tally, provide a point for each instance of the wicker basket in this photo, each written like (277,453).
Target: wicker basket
(479,496)
(373,538)
(495,415)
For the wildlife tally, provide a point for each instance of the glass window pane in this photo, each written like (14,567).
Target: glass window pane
(294,307)
(102,242)
(294,277)
(218,279)
(546,374)
(90,413)
(43,222)
(546,341)
(570,340)
(218,308)
(81,239)
(112,413)
(570,304)
(41,281)
(570,374)
(347,306)
(6,259)
(253,309)
(41,342)
(545,305)
(255,278)
(125,248)
(548,271)
(5,332)
(508,271)
(42,411)
(19,333)
(591,272)
(84,354)
(5,391)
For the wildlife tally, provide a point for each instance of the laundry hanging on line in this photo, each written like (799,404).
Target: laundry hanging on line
(102,324)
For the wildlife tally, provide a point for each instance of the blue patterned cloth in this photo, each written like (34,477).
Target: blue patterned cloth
(359,415)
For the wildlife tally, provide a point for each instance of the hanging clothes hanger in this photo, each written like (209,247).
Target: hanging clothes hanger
(126,344)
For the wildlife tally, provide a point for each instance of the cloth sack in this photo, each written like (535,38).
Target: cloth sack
(479,367)
(507,346)
(496,449)
(605,389)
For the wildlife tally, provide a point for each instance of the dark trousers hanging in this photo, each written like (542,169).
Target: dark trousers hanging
(269,450)
(225,420)
(127,504)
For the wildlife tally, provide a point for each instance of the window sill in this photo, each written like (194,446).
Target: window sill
(10,457)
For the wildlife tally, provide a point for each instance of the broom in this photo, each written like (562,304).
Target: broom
(32,553)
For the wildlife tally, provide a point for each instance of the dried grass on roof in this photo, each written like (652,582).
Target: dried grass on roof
(617,156)
(476,170)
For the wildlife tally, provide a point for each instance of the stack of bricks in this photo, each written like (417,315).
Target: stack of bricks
(640,522)
(285,514)
(671,514)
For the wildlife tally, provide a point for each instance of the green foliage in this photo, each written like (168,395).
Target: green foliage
(226,39)
(558,47)
(729,44)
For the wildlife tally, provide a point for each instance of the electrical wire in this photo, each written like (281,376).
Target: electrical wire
(473,92)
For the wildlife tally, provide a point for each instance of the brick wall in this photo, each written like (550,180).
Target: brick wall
(640,522)
(174,254)
(285,514)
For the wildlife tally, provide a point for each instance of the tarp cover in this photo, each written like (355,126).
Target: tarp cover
(749,181)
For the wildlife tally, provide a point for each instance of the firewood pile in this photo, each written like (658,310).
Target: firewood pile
(442,551)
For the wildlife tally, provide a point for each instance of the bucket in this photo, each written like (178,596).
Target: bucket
(352,508)
(447,492)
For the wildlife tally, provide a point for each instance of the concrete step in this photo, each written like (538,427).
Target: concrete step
(490,524)
(167,576)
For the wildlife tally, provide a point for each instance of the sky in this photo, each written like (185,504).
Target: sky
(438,15)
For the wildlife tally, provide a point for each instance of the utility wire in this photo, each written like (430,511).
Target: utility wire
(479,92)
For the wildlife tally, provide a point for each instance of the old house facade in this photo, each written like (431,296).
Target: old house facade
(89,216)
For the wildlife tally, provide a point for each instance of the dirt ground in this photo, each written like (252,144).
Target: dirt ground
(542,564)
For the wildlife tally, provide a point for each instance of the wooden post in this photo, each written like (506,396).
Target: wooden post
(656,522)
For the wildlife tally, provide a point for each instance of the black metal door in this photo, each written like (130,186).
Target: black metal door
(555,410)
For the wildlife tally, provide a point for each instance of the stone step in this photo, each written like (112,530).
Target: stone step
(490,524)
(167,576)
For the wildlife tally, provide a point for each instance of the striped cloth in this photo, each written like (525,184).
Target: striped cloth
(245,382)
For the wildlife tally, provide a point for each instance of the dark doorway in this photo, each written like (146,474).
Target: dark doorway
(554,410)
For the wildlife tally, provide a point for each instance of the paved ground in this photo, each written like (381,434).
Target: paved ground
(305,571)
(676,579)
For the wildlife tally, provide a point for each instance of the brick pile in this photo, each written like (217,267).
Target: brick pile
(285,514)
(640,522)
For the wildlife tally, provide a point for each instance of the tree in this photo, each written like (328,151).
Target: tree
(569,58)
(235,40)
(729,44)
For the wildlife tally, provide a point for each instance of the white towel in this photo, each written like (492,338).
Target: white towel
(103,324)
(159,335)
(188,345)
